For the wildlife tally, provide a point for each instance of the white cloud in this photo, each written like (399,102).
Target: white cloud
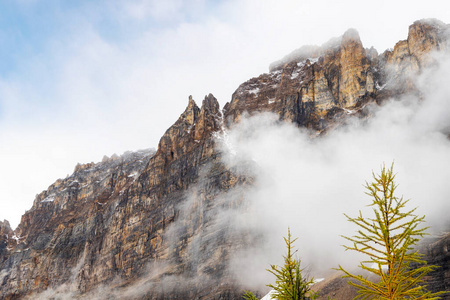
(88,93)
(308,184)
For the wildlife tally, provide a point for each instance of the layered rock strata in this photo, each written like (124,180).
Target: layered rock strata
(149,224)
(410,56)
(315,85)
(6,237)
(108,223)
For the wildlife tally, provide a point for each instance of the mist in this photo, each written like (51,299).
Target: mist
(303,182)
(307,183)
(93,78)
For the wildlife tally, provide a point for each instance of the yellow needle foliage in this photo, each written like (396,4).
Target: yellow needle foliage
(290,283)
(388,240)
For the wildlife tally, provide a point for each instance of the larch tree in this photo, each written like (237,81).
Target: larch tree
(388,240)
(249,296)
(290,283)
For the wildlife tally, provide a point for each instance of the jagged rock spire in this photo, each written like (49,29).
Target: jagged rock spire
(119,217)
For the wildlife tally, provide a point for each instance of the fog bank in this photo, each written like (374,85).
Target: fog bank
(307,183)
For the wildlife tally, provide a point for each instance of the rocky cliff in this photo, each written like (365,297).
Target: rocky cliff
(6,235)
(144,225)
(307,88)
(315,85)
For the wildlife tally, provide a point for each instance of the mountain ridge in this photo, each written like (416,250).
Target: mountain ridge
(109,220)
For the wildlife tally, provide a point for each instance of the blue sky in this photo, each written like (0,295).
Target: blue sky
(27,26)
(83,79)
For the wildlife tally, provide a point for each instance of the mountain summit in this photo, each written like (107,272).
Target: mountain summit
(142,225)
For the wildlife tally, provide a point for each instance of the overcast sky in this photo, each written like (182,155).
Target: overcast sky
(83,79)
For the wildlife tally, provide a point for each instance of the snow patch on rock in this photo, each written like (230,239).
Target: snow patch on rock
(50,198)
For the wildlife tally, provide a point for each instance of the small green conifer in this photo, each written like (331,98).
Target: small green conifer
(290,284)
(249,296)
(388,240)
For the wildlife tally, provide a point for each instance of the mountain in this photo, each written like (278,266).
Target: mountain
(145,225)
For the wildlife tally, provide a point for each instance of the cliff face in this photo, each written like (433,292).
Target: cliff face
(149,218)
(108,222)
(65,222)
(436,253)
(410,56)
(306,90)
(314,85)
(6,235)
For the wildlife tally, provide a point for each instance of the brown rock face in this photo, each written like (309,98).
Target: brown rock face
(437,253)
(356,78)
(314,84)
(150,225)
(108,222)
(410,56)
(426,36)
(65,223)
(6,235)
(304,90)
